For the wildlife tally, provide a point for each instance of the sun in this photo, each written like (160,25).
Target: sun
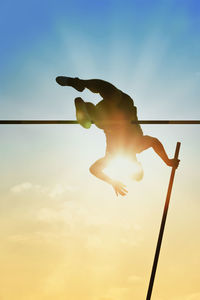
(122,168)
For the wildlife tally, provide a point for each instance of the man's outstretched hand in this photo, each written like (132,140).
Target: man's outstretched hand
(119,188)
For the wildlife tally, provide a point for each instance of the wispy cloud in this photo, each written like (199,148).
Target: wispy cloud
(19,188)
(53,192)
(59,189)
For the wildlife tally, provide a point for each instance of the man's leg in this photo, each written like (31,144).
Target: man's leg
(76,83)
(146,142)
(104,88)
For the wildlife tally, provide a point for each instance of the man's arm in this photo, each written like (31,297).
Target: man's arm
(97,170)
(149,141)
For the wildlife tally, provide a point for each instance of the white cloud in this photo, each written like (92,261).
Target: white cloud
(21,187)
(59,189)
(52,192)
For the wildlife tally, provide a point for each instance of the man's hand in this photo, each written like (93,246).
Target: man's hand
(173,162)
(119,188)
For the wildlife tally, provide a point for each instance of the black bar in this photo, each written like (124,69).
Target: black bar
(66,122)
(37,122)
(162,226)
(167,122)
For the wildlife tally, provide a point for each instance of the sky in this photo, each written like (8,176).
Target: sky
(64,234)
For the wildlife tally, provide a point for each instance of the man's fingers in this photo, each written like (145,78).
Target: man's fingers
(122,193)
(177,163)
(120,189)
(124,190)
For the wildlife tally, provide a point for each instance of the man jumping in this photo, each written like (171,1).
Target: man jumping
(113,114)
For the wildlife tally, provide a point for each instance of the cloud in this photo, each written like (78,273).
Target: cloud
(21,187)
(52,192)
(59,189)
(33,238)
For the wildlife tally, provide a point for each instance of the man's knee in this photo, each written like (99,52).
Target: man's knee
(104,88)
(91,109)
(78,101)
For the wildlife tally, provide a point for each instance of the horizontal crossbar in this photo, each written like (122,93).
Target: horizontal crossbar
(72,122)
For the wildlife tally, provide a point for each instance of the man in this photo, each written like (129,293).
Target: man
(114,115)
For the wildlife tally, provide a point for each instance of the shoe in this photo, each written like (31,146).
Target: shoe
(82,115)
(69,81)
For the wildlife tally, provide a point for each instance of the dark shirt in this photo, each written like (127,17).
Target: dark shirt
(117,113)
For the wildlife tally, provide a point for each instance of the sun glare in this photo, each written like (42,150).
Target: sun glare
(123,168)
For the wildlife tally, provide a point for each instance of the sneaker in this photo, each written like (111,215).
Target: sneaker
(82,115)
(69,81)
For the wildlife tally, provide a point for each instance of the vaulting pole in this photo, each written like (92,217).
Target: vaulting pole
(162,226)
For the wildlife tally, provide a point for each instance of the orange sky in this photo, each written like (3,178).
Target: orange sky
(65,234)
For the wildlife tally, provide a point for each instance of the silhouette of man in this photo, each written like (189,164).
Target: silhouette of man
(114,115)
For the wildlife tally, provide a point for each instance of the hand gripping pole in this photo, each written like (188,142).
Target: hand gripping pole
(162,226)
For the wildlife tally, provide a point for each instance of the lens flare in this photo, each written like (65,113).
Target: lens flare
(122,168)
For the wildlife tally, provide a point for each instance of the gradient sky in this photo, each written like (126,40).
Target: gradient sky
(64,234)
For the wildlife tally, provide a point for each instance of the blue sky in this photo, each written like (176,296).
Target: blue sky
(154,42)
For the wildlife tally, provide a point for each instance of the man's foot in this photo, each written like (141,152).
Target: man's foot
(69,81)
(82,115)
